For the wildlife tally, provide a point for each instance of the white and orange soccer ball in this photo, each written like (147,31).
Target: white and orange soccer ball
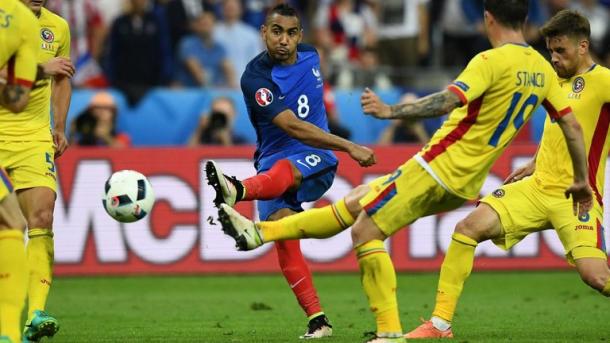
(128,196)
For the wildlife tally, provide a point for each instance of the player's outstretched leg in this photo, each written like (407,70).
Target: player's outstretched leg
(592,266)
(264,186)
(243,230)
(228,189)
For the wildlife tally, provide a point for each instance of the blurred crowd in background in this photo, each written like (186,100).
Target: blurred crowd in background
(413,45)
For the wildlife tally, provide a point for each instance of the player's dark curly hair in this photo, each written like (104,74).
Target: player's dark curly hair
(569,23)
(283,9)
(510,13)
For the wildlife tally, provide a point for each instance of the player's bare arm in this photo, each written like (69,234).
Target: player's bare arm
(579,190)
(523,171)
(318,138)
(58,66)
(14,97)
(433,105)
(61,92)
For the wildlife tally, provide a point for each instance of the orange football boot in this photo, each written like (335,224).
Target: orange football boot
(427,330)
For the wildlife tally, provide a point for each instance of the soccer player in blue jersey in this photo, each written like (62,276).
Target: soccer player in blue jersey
(282,88)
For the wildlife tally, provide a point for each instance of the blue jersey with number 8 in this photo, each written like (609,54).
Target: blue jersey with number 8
(270,89)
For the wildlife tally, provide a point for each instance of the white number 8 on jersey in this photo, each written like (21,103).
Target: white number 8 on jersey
(303,109)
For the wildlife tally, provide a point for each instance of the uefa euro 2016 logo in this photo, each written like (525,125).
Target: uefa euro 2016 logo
(47,35)
(264,97)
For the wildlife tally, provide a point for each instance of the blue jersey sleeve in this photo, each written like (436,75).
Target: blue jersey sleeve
(263,98)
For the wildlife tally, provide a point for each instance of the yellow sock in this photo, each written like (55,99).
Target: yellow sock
(456,268)
(606,290)
(379,283)
(13,282)
(315,223)
(40,253)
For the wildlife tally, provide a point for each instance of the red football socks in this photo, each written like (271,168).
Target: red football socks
(270,184)
(297,274)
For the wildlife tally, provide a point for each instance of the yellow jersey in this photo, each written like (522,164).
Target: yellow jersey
(499,88)
(588,96)
(18,38)
(34,123)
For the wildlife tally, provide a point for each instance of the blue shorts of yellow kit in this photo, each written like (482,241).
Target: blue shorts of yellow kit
(525,207)
(398,199)
(29,164)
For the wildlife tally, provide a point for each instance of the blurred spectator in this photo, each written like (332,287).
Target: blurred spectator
(111,9)
(87,33)
(554,6)
(240,40)
(598,19)
(334,126)
(403,35)
(139,57)
(367,74)
(255,12)
(343,27)
(404,131)
(463,35)
(201,60)
(96,125)
(178,15)
(216,128)
(605,49)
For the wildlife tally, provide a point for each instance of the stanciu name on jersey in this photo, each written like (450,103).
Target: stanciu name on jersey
(528,79)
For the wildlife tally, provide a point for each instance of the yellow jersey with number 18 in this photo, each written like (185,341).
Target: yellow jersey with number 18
(34,123)
(589,97)
(499,89)
(18,43)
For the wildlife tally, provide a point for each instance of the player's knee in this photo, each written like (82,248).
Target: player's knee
(358,234)
(363,231)
(42,218)
(352,200)
(471,229)
(12,223)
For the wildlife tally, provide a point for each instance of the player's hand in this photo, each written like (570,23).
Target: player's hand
(363,155)
(371,104)
(582,197)
(520,173)
(59,66)
(61,143)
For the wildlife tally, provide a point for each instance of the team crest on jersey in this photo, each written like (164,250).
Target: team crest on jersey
(498,193)
(578,85)
(47,35)
(264,97)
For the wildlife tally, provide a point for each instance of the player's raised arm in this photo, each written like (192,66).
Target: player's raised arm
(318,138)
(433,105)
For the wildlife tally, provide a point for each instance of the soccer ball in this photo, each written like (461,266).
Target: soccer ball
(128,196)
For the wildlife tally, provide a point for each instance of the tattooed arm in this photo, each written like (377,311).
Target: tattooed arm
(433,105)
(14,97)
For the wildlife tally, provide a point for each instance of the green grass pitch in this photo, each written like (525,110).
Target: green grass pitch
(495,307)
